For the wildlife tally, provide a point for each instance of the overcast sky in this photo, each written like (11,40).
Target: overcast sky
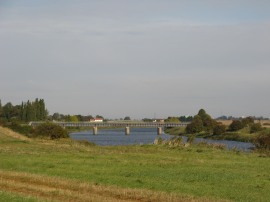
(137,58)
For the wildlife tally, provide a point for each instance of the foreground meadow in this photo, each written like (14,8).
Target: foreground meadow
(65,170)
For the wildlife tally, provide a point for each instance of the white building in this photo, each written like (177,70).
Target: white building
(96,120)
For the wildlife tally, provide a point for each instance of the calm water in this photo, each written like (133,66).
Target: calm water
(243,146)
(144,136)
(118,137)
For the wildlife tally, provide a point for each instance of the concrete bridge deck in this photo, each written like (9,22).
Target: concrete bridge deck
(126,125)
(115,124)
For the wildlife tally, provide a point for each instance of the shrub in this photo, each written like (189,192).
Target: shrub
(50,130)
(195,126)
(219,129)
(255,127)
(262,141)
(247,121)
(22,129)
(236,125)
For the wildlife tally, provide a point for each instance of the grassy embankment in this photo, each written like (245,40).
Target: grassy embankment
(65,170)
(242,135)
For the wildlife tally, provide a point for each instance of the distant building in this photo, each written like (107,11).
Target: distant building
(96,120)
(158,120)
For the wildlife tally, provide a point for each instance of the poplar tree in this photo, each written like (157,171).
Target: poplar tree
(1,109)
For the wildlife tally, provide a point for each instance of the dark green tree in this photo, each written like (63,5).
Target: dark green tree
(219,129)
(7,111)
(43,113)
(195,126)
(208,122)
(236,125)
(185,118)
(1,110)
(56,116)
(99,117)
(172,119)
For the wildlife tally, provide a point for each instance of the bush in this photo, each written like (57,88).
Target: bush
(219,129)
(22,129)
(195,126)
(50,130)
(247,121)
(262,141)
(236,125)
(255,127)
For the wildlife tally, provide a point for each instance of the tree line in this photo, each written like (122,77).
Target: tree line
(27,111)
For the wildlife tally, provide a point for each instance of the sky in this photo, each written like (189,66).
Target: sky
(143,58)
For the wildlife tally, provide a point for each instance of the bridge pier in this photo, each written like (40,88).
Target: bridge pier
(95,130)
(127,130)
(159,130)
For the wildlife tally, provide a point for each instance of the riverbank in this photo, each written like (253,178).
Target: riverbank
(66,170)
(241,136)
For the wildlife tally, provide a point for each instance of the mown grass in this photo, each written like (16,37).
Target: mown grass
(201,173)
(6,196)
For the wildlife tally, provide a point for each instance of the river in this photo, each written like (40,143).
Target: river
(144,136)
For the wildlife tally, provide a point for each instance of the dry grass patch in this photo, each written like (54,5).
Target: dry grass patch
(57,189)
(10,133)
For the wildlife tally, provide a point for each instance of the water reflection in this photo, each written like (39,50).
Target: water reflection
(118,137)
(145,136)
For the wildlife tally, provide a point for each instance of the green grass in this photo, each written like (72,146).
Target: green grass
(5,197)
(193,171)
(175,130)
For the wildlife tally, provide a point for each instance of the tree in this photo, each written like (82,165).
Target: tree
(236,125)
(172,119)
(7,111)
(209,123)
(219,129)
(1,110)
(99,117)
(43,112)
(247,121)
(74,118)
(195,126)
(185,118)
(56,116)
(29,111)
(147,120)
(202,113)
(127,118)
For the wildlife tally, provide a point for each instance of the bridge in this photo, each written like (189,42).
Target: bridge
(126,125)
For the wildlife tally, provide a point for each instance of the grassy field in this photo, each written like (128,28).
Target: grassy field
(65,170)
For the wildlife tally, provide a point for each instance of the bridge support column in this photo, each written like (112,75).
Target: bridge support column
(95,130)
(127,130)
(159,130)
